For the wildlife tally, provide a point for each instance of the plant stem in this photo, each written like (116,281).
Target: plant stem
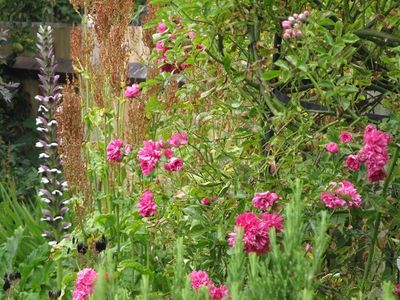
(378,220)
(59,274)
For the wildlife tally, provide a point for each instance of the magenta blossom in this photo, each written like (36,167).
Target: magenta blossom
(161,27)
(191,34)
(199,279)
(149,155)
(345,137)
(84,284)
(114,151)
(375,154)
(332,201)
(219,293)
(168,153)
(174,164)
(273,220)
(345,193)
(133,91)
(332,147)
(205,201)
(255,233)
(178,139)
(352,162)
(146,205)
(264,200)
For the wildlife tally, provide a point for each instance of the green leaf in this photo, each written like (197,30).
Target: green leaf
(271,74)
(105,220)
(130,263)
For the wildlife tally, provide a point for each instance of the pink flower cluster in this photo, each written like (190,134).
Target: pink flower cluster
(151,153)
(374,154)
(344,193)
(116,151)
(84,284)
(200,278)
(292,25)
(264,200)
(133,91)
(146,204)
(256,230)
(173,67)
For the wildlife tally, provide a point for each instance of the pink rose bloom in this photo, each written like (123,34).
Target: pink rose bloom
(219,293)
(345,137)
(375,153)
(160,47)
(114,151)
(332,201)
(255,236)
(264,200)
(133,91)
(146,205)
(168,153)
(352,162)
(375,175)
(199,279)
(200,47)
(161,27)
(147,166)
(178,139)
(191,34)
(205,201)
(148,156)
(286,24)
(332,148)
(273,220)
(84,284)
(175,164)
(346,188)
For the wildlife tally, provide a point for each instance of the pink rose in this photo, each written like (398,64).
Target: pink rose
(332,201)
(219,293)
(168,153)
(175,164)
(264,200)
(332,147)
(345,137)
(273,220)
(191,34)
(286,24)
(199,279)
(352,162)
(133,91)
(114,152)
(146,205)
(205,201)
(178,139)
(161,27)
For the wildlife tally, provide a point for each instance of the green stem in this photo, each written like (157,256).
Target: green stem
(59,274)
(378,220)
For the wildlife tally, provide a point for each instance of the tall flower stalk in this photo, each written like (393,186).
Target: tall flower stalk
(54,186)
